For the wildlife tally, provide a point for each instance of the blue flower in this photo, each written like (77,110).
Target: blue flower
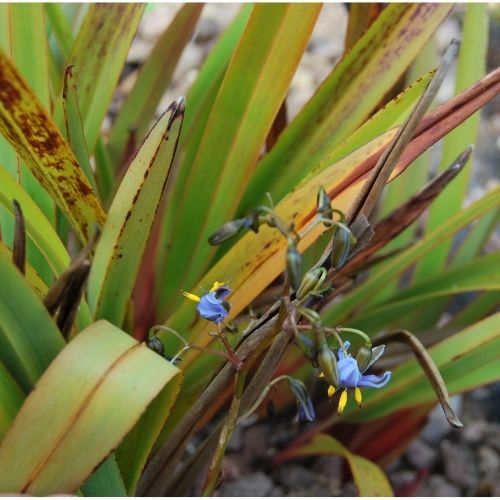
(305,408)
(351,377)
(212,305)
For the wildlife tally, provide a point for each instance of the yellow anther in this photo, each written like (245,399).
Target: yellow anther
(216,285)
(342,401)
(191,296)
(357,396)
(321,375)
(331,391)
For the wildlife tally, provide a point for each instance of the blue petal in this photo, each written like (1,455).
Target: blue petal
(376,354)
(222,292)
(341,354)
(211,308)
(376,381)
(306,412)
(349,374)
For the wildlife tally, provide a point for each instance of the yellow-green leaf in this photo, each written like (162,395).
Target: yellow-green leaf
(253,88)
(29,338)
(346,98)
(98,55)
(85,403)
(153,78)
(125,234)
(29,129)
(368,477)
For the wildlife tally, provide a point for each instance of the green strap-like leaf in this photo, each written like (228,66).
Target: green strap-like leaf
(471,66)
(11,399)
(480,274)
(369,478)
(250,95)
(29,338)
(135,449)
(139,106)
(369,70)
(29,129)
(344,309)
(125,234)
(38,227)
(73,129)
(455,357)
(100,385)
(98,55)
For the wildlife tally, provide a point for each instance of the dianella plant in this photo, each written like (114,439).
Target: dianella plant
(172,271)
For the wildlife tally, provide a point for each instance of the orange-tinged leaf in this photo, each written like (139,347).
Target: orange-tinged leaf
(30,130)
(83,405)
(256,260)
(368,477)
(253,88)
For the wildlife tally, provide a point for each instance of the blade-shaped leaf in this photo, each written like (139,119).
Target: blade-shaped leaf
(250,95)
(370,69)
(31,276)
(154,77)
(482,273)
(455,357)
(471,66)
(38,227)
(25,123)
(124,237)
(29,338)
(369,478)
(11,399)
(136,447)
(73,126)
(343,180)
(345,309)
(98,55)
(100,384)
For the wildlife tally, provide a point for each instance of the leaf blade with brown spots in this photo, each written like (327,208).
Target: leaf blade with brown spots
(30,130)
(125,234)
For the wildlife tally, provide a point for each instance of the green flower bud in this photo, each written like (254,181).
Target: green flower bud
(323,204)
(327,363)
(312,315)
(253,220)
(156,345)
(312,281)
(364,357)
(294,264)
(226,231)
(306,345)
(341,247)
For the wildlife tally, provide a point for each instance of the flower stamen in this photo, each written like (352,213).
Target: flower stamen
(342,401)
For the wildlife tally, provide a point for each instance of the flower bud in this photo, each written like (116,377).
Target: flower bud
(252,221)
(312,281)
(306,345)
(327,363)
(323,203)
(294,264)
(226,231)
(156,345)
(364,357)
(341,247)
(306,409)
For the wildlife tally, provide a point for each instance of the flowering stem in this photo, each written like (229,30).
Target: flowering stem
(231,354)
(188,346)
(263,394)
(225,435)
(361,334)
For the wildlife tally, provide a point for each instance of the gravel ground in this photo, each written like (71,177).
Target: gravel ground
(440,462)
